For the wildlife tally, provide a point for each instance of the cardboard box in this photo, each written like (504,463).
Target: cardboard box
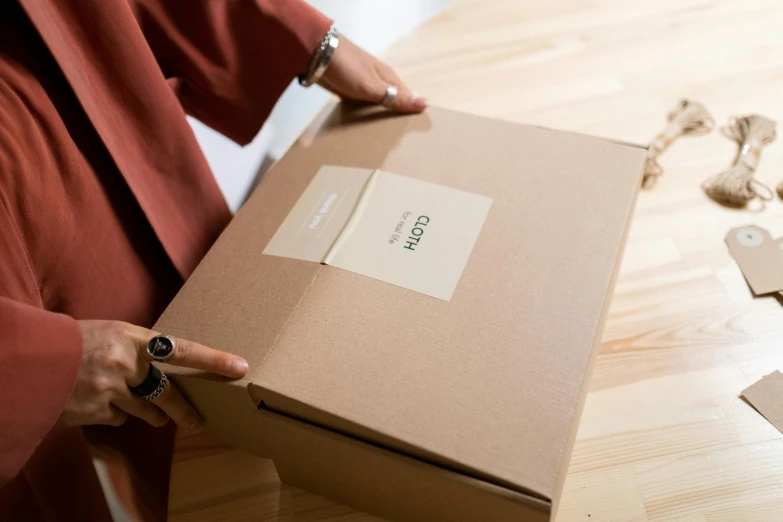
(461,406)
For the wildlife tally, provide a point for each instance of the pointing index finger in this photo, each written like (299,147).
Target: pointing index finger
(193,355)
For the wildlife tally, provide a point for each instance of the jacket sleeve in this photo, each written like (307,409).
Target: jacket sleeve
(230,60)
(40,356)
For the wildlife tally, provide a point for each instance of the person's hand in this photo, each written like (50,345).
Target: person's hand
(354,74)
(115,357)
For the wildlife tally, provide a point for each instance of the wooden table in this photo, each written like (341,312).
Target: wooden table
(664,435)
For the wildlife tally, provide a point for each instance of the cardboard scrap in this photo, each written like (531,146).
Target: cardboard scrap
(759,257)
(766,396)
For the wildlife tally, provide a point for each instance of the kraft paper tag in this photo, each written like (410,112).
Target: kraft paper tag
(759,257)
(393,228)
(766,396)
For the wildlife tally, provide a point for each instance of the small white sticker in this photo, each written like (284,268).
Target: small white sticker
(750,237)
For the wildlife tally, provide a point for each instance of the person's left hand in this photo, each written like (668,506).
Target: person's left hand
(354,74)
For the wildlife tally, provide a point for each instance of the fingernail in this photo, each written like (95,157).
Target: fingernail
(197,428)
(238,366)
(418,100)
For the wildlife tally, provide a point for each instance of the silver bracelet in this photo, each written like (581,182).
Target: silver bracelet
(321,59)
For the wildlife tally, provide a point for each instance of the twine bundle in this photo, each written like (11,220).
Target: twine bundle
(689,117)
(737,186)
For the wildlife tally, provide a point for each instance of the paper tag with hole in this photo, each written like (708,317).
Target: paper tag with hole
(760,257)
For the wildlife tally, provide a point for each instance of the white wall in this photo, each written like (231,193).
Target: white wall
(373,24)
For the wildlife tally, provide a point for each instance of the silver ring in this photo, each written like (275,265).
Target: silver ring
(161,348)
(388,98)
(161,386)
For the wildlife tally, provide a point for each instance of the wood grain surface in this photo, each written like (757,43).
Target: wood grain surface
(664,435)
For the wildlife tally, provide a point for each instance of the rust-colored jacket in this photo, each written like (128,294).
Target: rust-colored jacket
(107,203)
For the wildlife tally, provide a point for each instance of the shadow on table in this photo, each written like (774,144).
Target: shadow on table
(298,505)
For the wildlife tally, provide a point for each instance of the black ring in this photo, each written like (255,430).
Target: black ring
(160,348)
(149,384)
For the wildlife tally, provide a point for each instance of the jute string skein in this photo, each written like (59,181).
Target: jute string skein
(737,186)
(688,118)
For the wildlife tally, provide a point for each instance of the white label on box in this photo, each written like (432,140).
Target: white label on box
(393,228)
